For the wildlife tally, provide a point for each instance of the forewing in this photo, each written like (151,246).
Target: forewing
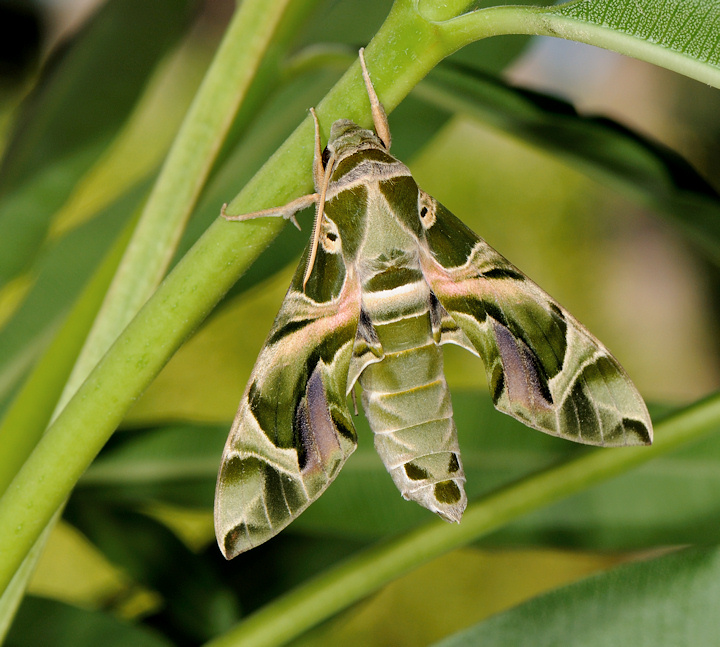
(293,430)
(543,367)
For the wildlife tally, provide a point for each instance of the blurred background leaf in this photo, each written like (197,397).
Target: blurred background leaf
(73,113)
(42,621)
(467,586)
(196,605)
(59,216)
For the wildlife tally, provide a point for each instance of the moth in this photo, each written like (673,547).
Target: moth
(389,276)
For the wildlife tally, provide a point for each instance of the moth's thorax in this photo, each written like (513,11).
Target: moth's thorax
(388,245)
(357,152)
(346,137)
(355,202)
(373,239)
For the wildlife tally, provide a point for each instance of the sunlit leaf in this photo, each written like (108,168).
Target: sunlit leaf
(663,602)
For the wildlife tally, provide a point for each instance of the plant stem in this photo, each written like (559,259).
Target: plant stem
(186,297)
(336,589)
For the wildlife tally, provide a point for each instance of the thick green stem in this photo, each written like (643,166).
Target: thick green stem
(310,604)
(188,295)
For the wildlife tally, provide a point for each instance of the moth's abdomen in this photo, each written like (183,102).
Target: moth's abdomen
(407,403)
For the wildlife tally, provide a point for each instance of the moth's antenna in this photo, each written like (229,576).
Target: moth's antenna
(318,170)
(382,127)
(354,400)
(320,212)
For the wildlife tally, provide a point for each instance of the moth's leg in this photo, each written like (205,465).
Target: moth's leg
(382,128)
(287,211)
(318,170)
(354,401)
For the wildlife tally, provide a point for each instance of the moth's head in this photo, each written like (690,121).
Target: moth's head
(346,136)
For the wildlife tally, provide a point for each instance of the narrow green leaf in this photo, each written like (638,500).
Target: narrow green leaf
(61,271)
(279,116)
(252,30)
(177,464)
(451,593)
(665,602)
(32,407)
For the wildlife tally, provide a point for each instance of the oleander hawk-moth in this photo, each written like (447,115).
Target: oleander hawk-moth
(389,276)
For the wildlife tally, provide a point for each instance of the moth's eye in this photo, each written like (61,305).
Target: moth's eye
(330,237)
(325,156)
(426,210)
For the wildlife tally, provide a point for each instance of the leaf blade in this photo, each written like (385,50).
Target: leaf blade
(585,21)
(665,602)
(70,626)
(687,28)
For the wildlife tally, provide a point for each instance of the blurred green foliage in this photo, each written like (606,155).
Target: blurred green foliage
(581,203)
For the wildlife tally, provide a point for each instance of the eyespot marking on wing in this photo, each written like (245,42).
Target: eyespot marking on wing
(330,237)
(426,209)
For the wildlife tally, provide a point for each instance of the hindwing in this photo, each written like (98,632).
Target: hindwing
(293,430)
(543,367)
